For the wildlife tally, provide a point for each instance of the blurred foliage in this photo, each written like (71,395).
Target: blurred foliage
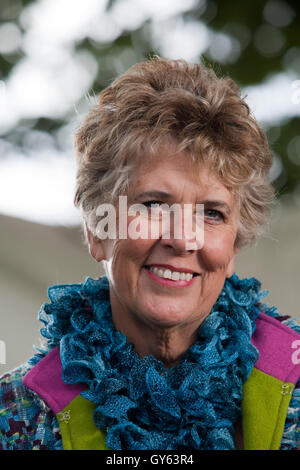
(267,42)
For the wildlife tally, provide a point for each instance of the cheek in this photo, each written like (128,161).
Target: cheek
(217,251)
(127,256)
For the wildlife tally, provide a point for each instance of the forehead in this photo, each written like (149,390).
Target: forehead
(177,173)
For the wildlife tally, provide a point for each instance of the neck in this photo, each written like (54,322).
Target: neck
(166,343)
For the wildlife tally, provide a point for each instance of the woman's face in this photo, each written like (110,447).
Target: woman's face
(138,293)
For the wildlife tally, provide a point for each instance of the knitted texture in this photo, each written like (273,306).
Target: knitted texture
(27,423)
(194,405)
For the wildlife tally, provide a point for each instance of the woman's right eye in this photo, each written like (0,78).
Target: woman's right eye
(152,203)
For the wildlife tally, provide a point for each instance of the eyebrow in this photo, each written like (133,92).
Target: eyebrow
(216,204)
(155,194)
(213,203)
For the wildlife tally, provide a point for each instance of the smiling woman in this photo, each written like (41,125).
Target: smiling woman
(140,305)
(169,350)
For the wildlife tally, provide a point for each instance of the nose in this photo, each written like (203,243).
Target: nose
(184,231)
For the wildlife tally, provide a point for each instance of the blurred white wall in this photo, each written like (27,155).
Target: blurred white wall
(275,260)
(33,257)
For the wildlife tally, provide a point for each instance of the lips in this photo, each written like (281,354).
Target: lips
(167,277)
(172,268)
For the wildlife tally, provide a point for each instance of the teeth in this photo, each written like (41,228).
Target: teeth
(175,276)
(168,274)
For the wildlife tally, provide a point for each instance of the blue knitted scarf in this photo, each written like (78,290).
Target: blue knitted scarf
(140,404)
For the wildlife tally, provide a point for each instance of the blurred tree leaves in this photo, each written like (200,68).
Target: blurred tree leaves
(264,37)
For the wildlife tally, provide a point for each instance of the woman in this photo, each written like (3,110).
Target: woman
(170,349)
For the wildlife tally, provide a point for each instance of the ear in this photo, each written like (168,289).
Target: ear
(230,267)
(95,245)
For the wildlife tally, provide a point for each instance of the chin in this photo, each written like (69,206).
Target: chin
(164,319)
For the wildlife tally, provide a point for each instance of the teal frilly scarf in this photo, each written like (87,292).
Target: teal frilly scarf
(140,404)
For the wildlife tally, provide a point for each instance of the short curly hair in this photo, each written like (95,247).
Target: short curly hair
(203,115)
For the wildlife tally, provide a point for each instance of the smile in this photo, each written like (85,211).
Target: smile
(167,276)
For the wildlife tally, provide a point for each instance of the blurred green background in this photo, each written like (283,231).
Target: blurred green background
(55,57)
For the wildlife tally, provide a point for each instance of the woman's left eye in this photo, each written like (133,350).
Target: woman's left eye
(213,214)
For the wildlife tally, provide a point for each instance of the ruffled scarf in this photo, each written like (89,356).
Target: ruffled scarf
(140,404)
